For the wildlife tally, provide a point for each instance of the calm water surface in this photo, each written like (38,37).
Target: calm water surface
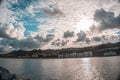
(106,68)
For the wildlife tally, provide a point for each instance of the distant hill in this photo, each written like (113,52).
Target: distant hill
(99,51)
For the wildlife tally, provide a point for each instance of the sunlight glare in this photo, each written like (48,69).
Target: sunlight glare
(84,24)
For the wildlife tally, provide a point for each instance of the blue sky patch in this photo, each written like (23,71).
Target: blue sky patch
(118,32)
(30,22)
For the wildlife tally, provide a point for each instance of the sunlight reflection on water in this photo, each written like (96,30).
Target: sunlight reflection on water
(107,68)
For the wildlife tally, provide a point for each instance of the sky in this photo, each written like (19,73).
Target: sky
(56,24)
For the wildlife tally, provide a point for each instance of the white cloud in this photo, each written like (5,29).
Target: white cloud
(12,32)
(60,29)
(6,15)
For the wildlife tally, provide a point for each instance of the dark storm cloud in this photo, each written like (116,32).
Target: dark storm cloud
(96,38)
(112,38)
(3,34)
(87,40)
(93,28)
(119,37)
(59,42)
(56,42)
(1,1)
(47,39)
(107,20)
(1,50)
(81,36)
(64,42)
(68,34)
(103,37)
(52,12)
(27,43)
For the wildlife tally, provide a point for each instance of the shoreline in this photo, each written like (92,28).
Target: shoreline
(60,58)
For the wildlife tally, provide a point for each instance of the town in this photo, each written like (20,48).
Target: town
(104,50)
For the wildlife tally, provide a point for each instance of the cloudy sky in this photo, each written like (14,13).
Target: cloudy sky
(54,24)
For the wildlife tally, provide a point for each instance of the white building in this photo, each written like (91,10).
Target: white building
(112,53)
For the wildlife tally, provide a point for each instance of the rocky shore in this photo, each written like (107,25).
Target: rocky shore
(6,75)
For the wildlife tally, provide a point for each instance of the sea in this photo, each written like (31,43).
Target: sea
(94,68)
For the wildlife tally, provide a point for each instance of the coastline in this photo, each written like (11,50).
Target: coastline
(59,58)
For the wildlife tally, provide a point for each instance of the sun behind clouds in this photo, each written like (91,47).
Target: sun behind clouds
(84,24)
